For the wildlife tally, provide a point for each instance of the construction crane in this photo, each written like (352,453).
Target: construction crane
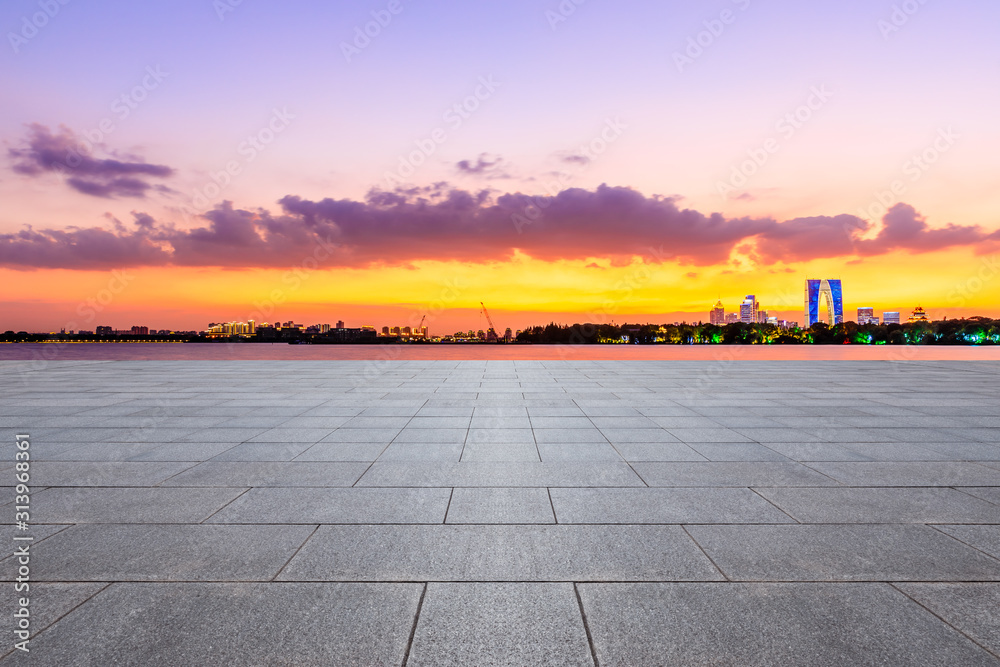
(489,319)
(420,329)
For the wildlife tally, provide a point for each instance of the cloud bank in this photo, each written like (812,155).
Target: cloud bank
(444,223)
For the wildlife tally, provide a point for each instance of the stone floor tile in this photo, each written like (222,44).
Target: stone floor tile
(768,624)
(500,624)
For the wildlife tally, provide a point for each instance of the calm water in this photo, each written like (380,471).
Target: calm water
(254,351)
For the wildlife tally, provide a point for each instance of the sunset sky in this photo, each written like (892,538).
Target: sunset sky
(171,164)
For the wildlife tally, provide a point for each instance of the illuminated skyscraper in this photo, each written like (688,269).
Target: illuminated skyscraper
(867,316)
(748,310)
(829,291)
(718,314)
(890,317)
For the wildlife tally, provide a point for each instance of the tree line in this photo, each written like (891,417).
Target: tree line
(971,331)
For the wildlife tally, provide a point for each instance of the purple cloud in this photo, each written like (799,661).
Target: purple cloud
(485,166)
(442,223)
(64,153)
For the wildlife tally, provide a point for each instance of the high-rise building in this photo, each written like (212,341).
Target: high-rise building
(829,291)
(718,314)
(890,317)
(340,324)
(732,318)
(919,315)
(324,328)
(867,316)
(105,331)
(748,310)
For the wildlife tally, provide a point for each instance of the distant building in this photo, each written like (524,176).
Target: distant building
(748,310)
(866,315)
(718,314)
(919,315)
(732,318)
(362,335)
(340,324)
(890,317)
(226,329)
(140,331)
(105,331)
(829,291)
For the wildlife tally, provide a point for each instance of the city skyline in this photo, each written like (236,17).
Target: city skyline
(608,168)
(718,315)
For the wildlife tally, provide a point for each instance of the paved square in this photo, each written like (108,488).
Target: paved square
(507,512)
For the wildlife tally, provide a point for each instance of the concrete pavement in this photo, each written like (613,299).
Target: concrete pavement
(507,512)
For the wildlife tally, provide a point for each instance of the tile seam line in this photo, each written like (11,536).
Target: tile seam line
(773,504)
(601,582)
(447,508)
(771,524)
(725,576)
(413,628)
(626,461)
(937,528)
(292,557)
(370,465)
(586,625)
(245,491)
(90,597)
(895,586)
